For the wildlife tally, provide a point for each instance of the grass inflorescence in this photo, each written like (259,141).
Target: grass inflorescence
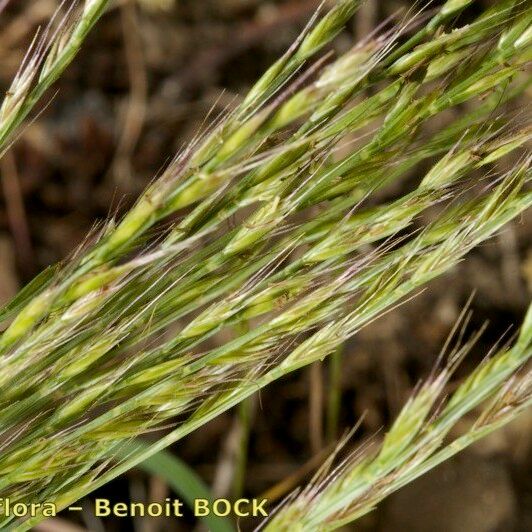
(416,442)
(278,222)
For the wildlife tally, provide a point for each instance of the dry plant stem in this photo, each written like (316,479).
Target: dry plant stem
(334,394)
(16,211)
(3,4)
(135,112)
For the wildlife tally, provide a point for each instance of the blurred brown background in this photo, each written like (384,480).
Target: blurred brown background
(138,91)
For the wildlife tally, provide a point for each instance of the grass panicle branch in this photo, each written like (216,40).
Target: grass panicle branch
(45,61)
